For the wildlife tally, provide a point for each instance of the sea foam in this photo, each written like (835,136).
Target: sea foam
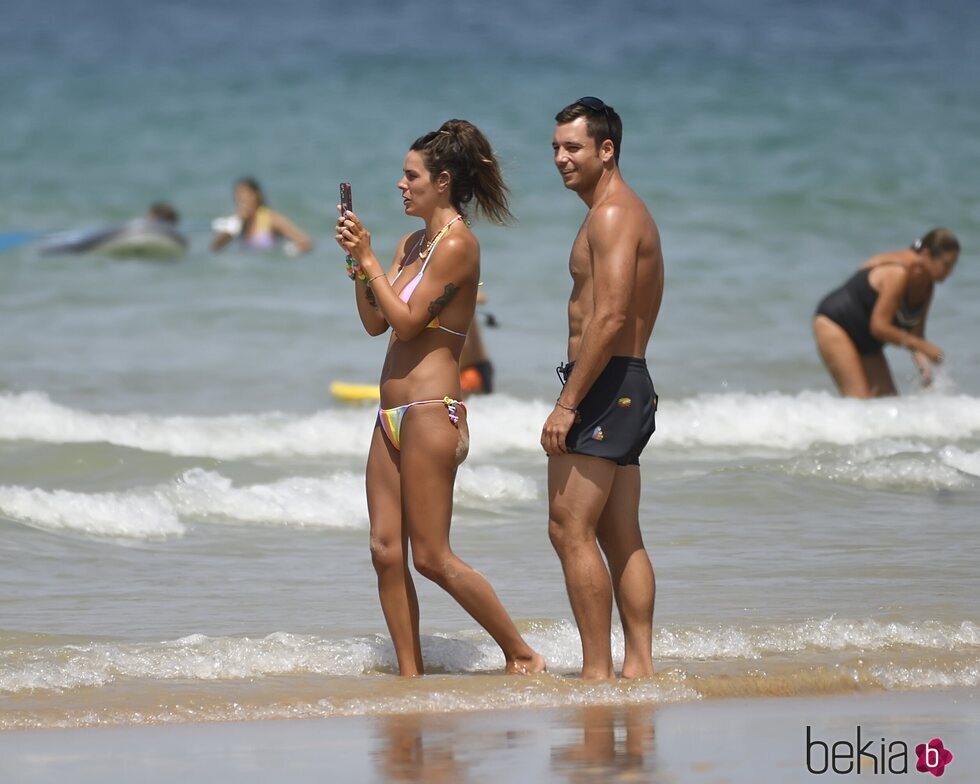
(889,463)
(33,416)
(501,424)
(203,658)
(131,515)
(332,502)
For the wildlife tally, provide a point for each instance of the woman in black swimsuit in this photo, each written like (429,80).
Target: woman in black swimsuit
(886,301)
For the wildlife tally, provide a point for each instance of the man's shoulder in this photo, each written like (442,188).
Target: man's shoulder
(621,196)
(621,210)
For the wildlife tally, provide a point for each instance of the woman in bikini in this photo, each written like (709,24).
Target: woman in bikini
(256,225)
(886,301)
(427,298)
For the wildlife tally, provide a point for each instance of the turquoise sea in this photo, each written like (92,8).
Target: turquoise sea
(183,534)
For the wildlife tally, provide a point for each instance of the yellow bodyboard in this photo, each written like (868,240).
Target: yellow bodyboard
(355,393)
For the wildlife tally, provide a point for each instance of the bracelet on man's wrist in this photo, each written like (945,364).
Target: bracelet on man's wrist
(567,408)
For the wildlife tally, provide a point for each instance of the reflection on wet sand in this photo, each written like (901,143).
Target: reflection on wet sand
(597,743)
(409,751)
(616,743)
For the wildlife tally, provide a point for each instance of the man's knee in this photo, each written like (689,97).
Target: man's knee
(608,541)
(625,539)
(567,530)
(557,526)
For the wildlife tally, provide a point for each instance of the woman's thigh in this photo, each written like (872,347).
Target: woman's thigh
(431,447)
(841,358)
(879,375)
(383,482)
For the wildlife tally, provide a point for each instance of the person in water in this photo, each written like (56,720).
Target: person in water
(163,212)
(605,411)
(154,234)
(256,225)
(886,301)
(427,299)
(475,367)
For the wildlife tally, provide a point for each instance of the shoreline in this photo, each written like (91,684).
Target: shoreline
(725,740)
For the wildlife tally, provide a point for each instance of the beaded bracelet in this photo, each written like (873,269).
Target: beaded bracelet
(354,271)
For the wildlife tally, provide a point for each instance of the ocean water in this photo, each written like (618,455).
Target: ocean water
(183,532)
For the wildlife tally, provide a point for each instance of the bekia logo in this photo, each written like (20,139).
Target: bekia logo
(933,757)
(875,756)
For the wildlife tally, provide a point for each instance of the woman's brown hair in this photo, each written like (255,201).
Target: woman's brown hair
(461,150)
(938,242)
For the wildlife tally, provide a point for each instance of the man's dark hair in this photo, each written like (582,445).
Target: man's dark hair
(601,121)
(163,212)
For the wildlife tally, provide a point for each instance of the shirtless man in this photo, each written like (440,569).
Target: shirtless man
(604,415)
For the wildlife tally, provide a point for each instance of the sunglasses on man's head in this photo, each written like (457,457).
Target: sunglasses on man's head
(594,103)
(597,105)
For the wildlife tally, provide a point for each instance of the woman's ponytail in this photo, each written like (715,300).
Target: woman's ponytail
(460,149)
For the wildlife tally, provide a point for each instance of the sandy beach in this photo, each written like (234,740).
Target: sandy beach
(762,741)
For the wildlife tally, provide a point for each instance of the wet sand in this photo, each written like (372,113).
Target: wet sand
(747,740)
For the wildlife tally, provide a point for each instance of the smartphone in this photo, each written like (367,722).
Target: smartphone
(347,203)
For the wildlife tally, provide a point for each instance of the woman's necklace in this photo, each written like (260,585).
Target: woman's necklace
(439,234)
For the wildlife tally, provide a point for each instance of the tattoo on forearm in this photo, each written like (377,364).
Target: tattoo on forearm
(370,298)
(436,306)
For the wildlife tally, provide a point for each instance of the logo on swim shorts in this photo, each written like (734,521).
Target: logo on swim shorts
(625,402)
(597,434)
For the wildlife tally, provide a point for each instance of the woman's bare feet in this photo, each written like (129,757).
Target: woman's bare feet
(527,665)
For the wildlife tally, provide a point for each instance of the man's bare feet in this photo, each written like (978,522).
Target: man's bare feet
(638,662)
